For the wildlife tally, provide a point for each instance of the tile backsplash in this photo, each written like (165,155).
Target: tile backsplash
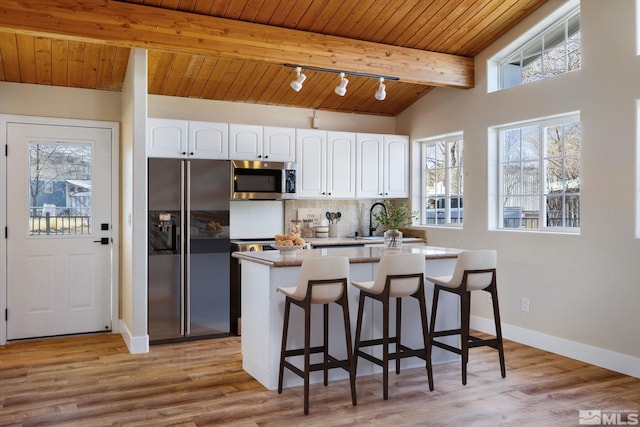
(355,214)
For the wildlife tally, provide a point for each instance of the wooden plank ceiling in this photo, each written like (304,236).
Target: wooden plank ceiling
(454,27)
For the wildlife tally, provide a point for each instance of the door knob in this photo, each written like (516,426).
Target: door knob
(102,241)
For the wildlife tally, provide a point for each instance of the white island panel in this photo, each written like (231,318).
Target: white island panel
(263,316)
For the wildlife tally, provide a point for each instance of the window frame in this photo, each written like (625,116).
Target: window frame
(561,17)
(448,139)
(542,156)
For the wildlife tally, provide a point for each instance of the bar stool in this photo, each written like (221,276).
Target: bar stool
(399,275)
(322,280)
(474,271)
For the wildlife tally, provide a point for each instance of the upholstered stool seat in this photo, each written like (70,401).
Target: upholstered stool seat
(474,271)
(398,276)
(322,280)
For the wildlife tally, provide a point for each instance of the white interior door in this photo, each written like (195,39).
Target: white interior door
(59,245)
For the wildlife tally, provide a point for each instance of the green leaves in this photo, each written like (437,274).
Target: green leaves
(394,218)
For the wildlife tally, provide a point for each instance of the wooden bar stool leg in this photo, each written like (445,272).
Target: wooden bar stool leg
(283,348)
(307,352)
(325,339)
(356,348)
(425,336)
(385,348)
(350,355)
(496,319)
(465,307)
(398,329)
(434,309)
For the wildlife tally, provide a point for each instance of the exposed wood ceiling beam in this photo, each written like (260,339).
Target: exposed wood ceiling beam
(134,25)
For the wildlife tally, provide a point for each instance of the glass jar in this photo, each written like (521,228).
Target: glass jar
(307,228)
(393,239)
(296,226)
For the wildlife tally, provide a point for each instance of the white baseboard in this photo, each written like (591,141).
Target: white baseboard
(136,345)
(618,362)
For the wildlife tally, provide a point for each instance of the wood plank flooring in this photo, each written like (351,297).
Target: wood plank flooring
(94,381)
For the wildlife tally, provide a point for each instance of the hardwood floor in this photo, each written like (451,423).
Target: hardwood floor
(94,381)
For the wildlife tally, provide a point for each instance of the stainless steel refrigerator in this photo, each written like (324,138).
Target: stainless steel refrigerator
(188,263)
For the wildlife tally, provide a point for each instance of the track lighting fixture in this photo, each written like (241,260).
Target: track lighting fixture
(381,93)
(297,83)
(341,89)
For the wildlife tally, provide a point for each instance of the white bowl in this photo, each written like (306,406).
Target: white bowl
(287,248)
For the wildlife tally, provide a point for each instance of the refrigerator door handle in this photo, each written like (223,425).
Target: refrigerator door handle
(187,215)
(184,235)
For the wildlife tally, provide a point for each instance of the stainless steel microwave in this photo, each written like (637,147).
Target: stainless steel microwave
(263,180)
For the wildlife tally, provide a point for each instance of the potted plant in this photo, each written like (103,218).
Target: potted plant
(392,218)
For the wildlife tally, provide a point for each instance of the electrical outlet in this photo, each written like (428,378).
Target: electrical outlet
(525,304)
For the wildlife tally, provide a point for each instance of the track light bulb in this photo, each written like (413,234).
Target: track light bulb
(297,83)
(341,89)
(381,93)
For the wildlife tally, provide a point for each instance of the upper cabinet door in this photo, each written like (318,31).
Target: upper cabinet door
(208,140)
(383,166)
(311,155)
(166,138)
(369,179)
(341,165)
(396,166)
(279,144)
(245,142)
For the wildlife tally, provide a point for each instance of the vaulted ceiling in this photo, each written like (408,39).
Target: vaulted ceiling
(238,50)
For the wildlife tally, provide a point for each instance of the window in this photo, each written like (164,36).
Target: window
(557,50)
(442,181)
(539,176)
(66,168)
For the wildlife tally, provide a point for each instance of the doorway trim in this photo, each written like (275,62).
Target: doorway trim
(114,127)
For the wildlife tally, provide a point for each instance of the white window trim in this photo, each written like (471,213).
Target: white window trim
(493,63)
(495,198)
(450,137)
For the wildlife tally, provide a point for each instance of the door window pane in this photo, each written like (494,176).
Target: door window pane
(60,188)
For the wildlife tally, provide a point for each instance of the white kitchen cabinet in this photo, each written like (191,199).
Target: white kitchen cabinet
(279,144)
(383,166)
(166,138)
(326,164)
(208,140)
(245,142)
(181,138)
(252,142)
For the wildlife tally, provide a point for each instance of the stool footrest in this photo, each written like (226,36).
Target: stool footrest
(473,342)
(479,342)
(320,366)
(447,333)
(300,351)
(401,352)
(446,347)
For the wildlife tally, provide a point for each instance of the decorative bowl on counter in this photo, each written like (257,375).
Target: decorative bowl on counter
(287,248)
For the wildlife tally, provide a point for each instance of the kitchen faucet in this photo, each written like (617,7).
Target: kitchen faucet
(371,227)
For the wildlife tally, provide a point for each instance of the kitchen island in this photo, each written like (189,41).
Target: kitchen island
(263,309)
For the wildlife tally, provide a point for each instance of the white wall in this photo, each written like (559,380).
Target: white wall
(220,111)
(53,101)
(584,289)
(133,170)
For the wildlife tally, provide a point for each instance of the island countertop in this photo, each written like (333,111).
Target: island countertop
(319,242)
(367,254)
